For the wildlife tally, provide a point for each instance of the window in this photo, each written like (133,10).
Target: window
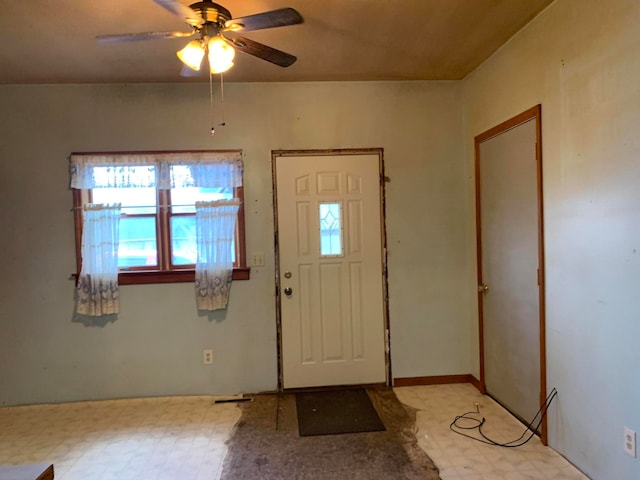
(330,214)
(158,192)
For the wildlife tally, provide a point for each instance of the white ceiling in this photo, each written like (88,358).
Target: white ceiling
(48,41)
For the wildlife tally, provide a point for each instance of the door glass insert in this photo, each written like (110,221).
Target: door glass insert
(330,229)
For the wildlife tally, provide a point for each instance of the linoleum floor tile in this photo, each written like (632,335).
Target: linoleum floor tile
(184,437)
(459,457)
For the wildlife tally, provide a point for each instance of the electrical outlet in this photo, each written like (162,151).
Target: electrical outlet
(207,356)
(257,259)
(630,442)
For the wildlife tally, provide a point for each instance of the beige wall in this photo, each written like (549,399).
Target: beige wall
(580,60)
(155,346)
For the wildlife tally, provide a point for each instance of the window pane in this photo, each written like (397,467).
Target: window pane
(183,240)
(184,199)
(330,229)
(138,245)
(134,200)
(120,176)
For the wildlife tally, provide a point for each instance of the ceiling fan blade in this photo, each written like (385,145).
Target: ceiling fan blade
(275,18)
(262,51)
(174,6)
(134,37)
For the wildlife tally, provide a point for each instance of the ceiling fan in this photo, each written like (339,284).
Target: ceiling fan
(210,23)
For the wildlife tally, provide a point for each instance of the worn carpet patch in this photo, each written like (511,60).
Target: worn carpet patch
(265,444)
(336,411)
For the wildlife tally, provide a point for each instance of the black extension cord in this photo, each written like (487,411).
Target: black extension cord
(478,424)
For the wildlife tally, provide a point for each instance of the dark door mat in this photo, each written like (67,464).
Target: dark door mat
(335,412)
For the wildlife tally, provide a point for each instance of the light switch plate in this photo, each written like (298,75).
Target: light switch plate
(257,259)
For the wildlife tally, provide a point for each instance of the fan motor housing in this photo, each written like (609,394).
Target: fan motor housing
(212,12)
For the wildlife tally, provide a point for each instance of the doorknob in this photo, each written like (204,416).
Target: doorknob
(482,288)
(288,291)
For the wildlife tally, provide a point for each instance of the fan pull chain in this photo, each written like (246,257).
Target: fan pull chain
(213,129)
(223,123)
(222,99)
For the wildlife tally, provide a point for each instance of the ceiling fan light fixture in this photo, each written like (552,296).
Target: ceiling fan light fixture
(192,54)
(221,55)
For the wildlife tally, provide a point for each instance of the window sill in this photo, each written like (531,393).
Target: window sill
(175,276)
(141,277)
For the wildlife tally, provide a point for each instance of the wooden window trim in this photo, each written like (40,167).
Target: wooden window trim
(170,274)
(139,277)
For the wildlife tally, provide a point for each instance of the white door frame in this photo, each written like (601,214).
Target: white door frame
(385,290)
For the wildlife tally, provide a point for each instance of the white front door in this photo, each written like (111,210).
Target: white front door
(331,275)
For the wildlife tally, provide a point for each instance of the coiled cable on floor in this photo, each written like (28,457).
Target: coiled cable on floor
(478,423)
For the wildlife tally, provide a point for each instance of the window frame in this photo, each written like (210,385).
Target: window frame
(165,272)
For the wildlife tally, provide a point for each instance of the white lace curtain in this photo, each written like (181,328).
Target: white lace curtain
(215,221)
(97,291)
(194,169)
(215,233)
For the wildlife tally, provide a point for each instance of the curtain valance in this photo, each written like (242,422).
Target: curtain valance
(209,169)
